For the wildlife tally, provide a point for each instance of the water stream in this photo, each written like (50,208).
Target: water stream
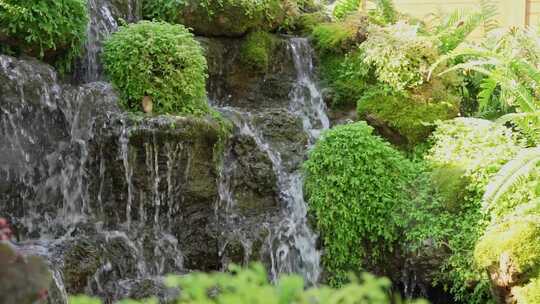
(291,243)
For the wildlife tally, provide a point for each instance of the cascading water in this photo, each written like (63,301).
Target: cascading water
(290,243)
(103,22)
(113,203)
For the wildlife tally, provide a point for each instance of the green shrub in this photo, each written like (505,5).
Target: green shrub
(224,17)
(354,183)
(257,49)
(51,30)
(251,286)
(159,60)
(472,151)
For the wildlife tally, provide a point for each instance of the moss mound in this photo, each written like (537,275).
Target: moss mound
(159,61)
(355,182)
(412,115)
(50,30)
(257,50)
(230,18)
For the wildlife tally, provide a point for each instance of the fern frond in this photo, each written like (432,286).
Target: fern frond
(487,89)
(489,10)
(510,175)
(527,123)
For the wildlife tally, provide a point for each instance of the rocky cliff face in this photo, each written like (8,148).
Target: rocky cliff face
(114,201)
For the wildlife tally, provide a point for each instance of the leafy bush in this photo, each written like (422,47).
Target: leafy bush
(257,50)
(225,17)
(401,57)
(250,285)
(517,183)
(354,183)
(51,30)
(402,95)
(472,151)
(158,60)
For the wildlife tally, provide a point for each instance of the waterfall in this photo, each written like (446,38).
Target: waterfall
(103,22)
(290,243)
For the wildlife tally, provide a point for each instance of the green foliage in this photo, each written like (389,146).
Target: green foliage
(251,286)
(305,23)
(472,151)
(519,176)
(385,12)
(529,293)
(355,182)
(344,8)
(338,37)
(515,238)
(159,60)
(452,29)
(400,57)
(224,17)
(510,63)
(257,50)
(51,30)
(346,76)
(412,115)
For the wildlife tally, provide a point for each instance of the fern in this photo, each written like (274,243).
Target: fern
(457,26)
(527,123)
(510,175)
(508,72)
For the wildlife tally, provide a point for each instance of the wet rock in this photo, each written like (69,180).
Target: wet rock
(232,83)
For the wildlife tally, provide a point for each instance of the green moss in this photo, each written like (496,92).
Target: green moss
(517,238)
(411,115)
(354,183)
(257,49)
(54,31)
(305,23)
(222,18)
(339,37)
(158,60)
(529,293)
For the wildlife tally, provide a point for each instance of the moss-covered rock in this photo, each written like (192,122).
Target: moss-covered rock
(340,37)
(412,115)
(231,18)
(257,49)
